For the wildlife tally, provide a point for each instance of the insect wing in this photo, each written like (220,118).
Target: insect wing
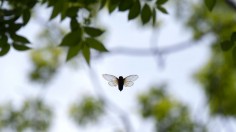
(113,84)
(112,80)
(128,84)
(109,78)
(128,81)
(131,78)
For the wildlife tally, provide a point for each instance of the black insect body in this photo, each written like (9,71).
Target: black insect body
(120,83)
(114,81)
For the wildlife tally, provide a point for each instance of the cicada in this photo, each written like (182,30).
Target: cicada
(121,82)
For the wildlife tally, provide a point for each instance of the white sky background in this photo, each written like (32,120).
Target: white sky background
(70,84)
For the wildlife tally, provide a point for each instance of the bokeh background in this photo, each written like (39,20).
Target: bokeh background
(186,81)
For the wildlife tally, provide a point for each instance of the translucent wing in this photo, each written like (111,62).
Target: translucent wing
(128,84)
(113,84)
(112,80)
(128,81)
(131,78)
(109,78)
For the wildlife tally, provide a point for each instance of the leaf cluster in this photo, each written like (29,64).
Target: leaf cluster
(33,115)
(168,114)
(218,79)
(218,75)
(81,40)
(218,24)
(227,45)
(83,37)
(47,58)
(11,20)
(46,62)
(146,10)
(88,110)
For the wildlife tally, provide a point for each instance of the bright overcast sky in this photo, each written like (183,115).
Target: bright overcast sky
(70,84)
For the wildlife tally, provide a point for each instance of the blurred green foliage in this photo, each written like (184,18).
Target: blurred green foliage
(218,76)
(219,24)
(33,115)
(218,80)
(216,23)
(46,58)
(210,4)
(87,111)
(45,62)
(168,114)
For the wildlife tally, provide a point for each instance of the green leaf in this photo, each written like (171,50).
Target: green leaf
(20,39)
(95,44)
(52,2)
(44,1)
(86,54)
(161,2)
(73,51)
(71,39)
(233,37)
(14,27)
(13,19)
(146,14)
(89,2)
(125,5)
(162,9)
(210,4)
(112,5)
(4,48)
(154,17)
(20,47)
(57,8)
(93,32)
(3,39)
(103,3)
(134,10)
(74,25)
(226,45)
(26,16)
(72,11)
(8,12)
(63,14)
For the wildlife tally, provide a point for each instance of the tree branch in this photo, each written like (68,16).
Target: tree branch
(149,52)
(152,51)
